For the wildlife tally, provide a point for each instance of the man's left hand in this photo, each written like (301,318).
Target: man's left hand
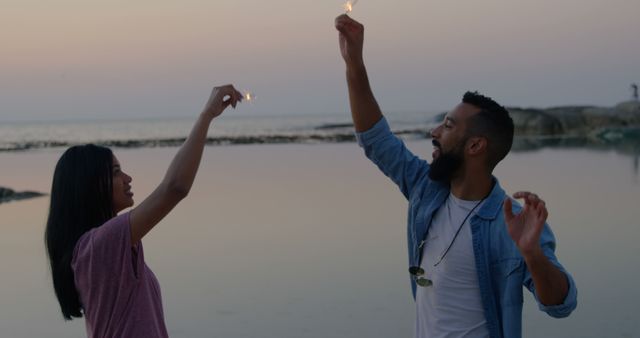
(525,228)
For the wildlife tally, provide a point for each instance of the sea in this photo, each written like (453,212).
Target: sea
(171,131)
(290,232)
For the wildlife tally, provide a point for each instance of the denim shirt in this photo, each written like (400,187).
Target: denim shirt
(500,266)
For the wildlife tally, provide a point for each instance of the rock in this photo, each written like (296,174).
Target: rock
(535,122)
(8,195)
(629,111)
(628,106)
(580,121)
(329,126)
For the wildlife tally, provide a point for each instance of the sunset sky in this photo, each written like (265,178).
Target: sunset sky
(70,59)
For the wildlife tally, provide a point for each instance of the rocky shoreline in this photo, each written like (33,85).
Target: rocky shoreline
(578,121)
(614,128)
(621,120)
(595,123)
(338,136)
(9,195)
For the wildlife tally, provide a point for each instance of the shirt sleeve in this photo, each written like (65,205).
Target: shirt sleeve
(391,155)
(548,243)
(105,254)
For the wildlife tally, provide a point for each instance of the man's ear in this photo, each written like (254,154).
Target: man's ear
(476,145)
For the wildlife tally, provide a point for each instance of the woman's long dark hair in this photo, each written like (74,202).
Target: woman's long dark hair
(81,199)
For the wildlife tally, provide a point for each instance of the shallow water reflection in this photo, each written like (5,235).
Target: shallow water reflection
(309,241)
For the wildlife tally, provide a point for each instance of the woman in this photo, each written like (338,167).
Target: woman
(96,256)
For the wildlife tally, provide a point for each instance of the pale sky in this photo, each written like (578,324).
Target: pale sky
(116,59)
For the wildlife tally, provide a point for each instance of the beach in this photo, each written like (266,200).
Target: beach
(309,240)
(289,231)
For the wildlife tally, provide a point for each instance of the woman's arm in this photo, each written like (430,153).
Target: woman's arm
(179,177)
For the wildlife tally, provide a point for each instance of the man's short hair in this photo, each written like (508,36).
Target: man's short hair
(492,122)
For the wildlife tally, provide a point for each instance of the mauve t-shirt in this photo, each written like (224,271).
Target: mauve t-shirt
(119,294)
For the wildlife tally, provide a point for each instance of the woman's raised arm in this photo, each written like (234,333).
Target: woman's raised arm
(182,171)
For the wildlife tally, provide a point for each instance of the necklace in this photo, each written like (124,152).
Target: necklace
(457,232)
(418,272)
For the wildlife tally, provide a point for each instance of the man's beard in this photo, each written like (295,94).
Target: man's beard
(447,164)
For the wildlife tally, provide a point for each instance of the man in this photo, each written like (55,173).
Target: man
(468,259)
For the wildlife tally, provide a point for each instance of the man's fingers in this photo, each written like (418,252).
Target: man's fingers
(340,24)
(542,211)
(507,208)
(346,25)
(344,30)
(535,201)
(521,194)
(530,199)
(343,19)
(541,214)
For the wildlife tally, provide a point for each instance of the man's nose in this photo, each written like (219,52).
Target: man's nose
(434,132)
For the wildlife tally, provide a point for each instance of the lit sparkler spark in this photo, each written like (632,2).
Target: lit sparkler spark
(348,6)
(248,96)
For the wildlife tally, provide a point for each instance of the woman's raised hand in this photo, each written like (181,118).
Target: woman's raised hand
(221,97)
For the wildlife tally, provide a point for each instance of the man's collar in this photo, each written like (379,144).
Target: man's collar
(491,207)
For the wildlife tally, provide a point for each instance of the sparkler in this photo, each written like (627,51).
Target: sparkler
(248,96)
(348,6)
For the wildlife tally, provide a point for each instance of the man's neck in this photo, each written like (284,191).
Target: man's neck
(472,187)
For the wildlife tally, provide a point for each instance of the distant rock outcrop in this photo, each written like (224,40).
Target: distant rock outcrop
(576,121)
(8,195)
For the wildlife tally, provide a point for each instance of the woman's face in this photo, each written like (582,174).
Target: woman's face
(122,194)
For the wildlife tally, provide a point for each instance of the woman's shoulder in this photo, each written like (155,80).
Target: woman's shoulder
(114,234)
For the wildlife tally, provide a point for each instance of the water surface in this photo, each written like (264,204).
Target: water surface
(309,241)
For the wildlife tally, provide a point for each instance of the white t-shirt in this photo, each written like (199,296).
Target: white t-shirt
(451,306)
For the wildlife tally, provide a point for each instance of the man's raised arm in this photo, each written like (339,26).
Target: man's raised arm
(364,108)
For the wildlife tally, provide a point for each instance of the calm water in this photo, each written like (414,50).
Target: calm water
(309,241)
(162,131)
